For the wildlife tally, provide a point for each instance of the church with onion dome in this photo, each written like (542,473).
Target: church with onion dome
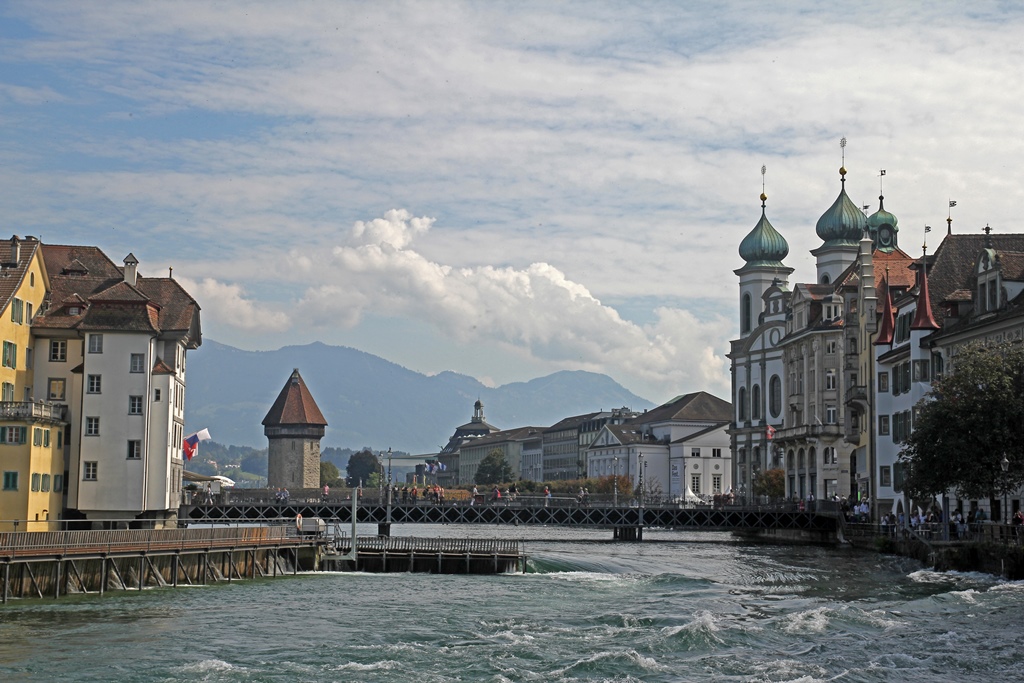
(796,367)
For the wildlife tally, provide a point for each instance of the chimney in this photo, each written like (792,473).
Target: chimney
(130,262)
(15,251)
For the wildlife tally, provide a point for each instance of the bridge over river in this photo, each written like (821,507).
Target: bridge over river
(627,521)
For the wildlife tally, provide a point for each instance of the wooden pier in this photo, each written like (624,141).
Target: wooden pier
(55,563)
(426,555)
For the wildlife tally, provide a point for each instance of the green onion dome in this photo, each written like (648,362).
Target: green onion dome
(882,226)
(843,223)
(881,217)
(764,246)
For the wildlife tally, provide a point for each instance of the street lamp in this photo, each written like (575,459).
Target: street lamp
(640,475)
(1005,464)
(615,482)
(643,491)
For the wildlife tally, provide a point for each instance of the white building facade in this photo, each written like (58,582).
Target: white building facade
(111,345)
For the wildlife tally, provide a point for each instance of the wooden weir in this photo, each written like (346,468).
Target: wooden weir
(378,554)
(56,563)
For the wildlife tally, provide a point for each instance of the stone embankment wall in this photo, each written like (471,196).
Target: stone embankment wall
(998,559)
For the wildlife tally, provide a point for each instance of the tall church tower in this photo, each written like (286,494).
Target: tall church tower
(840,228)
(294,427)
(755,359)
(763,250)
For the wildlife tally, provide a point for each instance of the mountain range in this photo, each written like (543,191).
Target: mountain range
(369,401)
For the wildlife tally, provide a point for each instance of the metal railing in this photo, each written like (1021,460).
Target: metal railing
(59,543)
(928,533)
(408,544)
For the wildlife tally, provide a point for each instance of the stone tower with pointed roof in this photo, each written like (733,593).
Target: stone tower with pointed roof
(294,427)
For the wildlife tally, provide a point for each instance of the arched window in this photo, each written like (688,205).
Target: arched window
(755,402)
(811,455)
(745,314)
(741,400)
(825,279)
(774,395)
(756,459)
(791,460)
(800,459)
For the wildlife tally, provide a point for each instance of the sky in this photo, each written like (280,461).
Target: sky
(502,189)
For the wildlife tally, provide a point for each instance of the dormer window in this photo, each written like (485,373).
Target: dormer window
(988,282)
(74,310)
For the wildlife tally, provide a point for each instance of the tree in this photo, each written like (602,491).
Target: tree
(360,466)
(255,462)
(770,483)
(329,474)
(493,469)
(971,419)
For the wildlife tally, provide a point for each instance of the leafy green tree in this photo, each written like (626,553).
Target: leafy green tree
(360,466)
(971,419)
(770,483)
(329,474)
(255,462)
(493,469)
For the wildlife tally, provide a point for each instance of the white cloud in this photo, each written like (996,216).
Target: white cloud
(226,304)
(592,166)
(536,310)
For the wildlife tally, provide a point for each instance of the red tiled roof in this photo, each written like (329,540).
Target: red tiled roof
(953,264)
(923,318)
(1011,264)
(294,405)
(888,327)
(62,259)
(14,273)
(85,276)
(162,368)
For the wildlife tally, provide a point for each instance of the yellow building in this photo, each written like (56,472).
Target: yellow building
(31,429)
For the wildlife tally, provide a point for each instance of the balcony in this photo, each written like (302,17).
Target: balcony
(27,411)
(807,432)
(857,395)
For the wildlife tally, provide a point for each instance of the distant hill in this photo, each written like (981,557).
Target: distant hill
(369,401)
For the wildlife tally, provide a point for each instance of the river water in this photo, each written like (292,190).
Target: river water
(677,607)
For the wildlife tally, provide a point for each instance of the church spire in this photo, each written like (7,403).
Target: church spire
(923,318)
(886,331)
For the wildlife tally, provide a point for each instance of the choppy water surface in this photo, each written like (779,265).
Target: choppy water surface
(677,607)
